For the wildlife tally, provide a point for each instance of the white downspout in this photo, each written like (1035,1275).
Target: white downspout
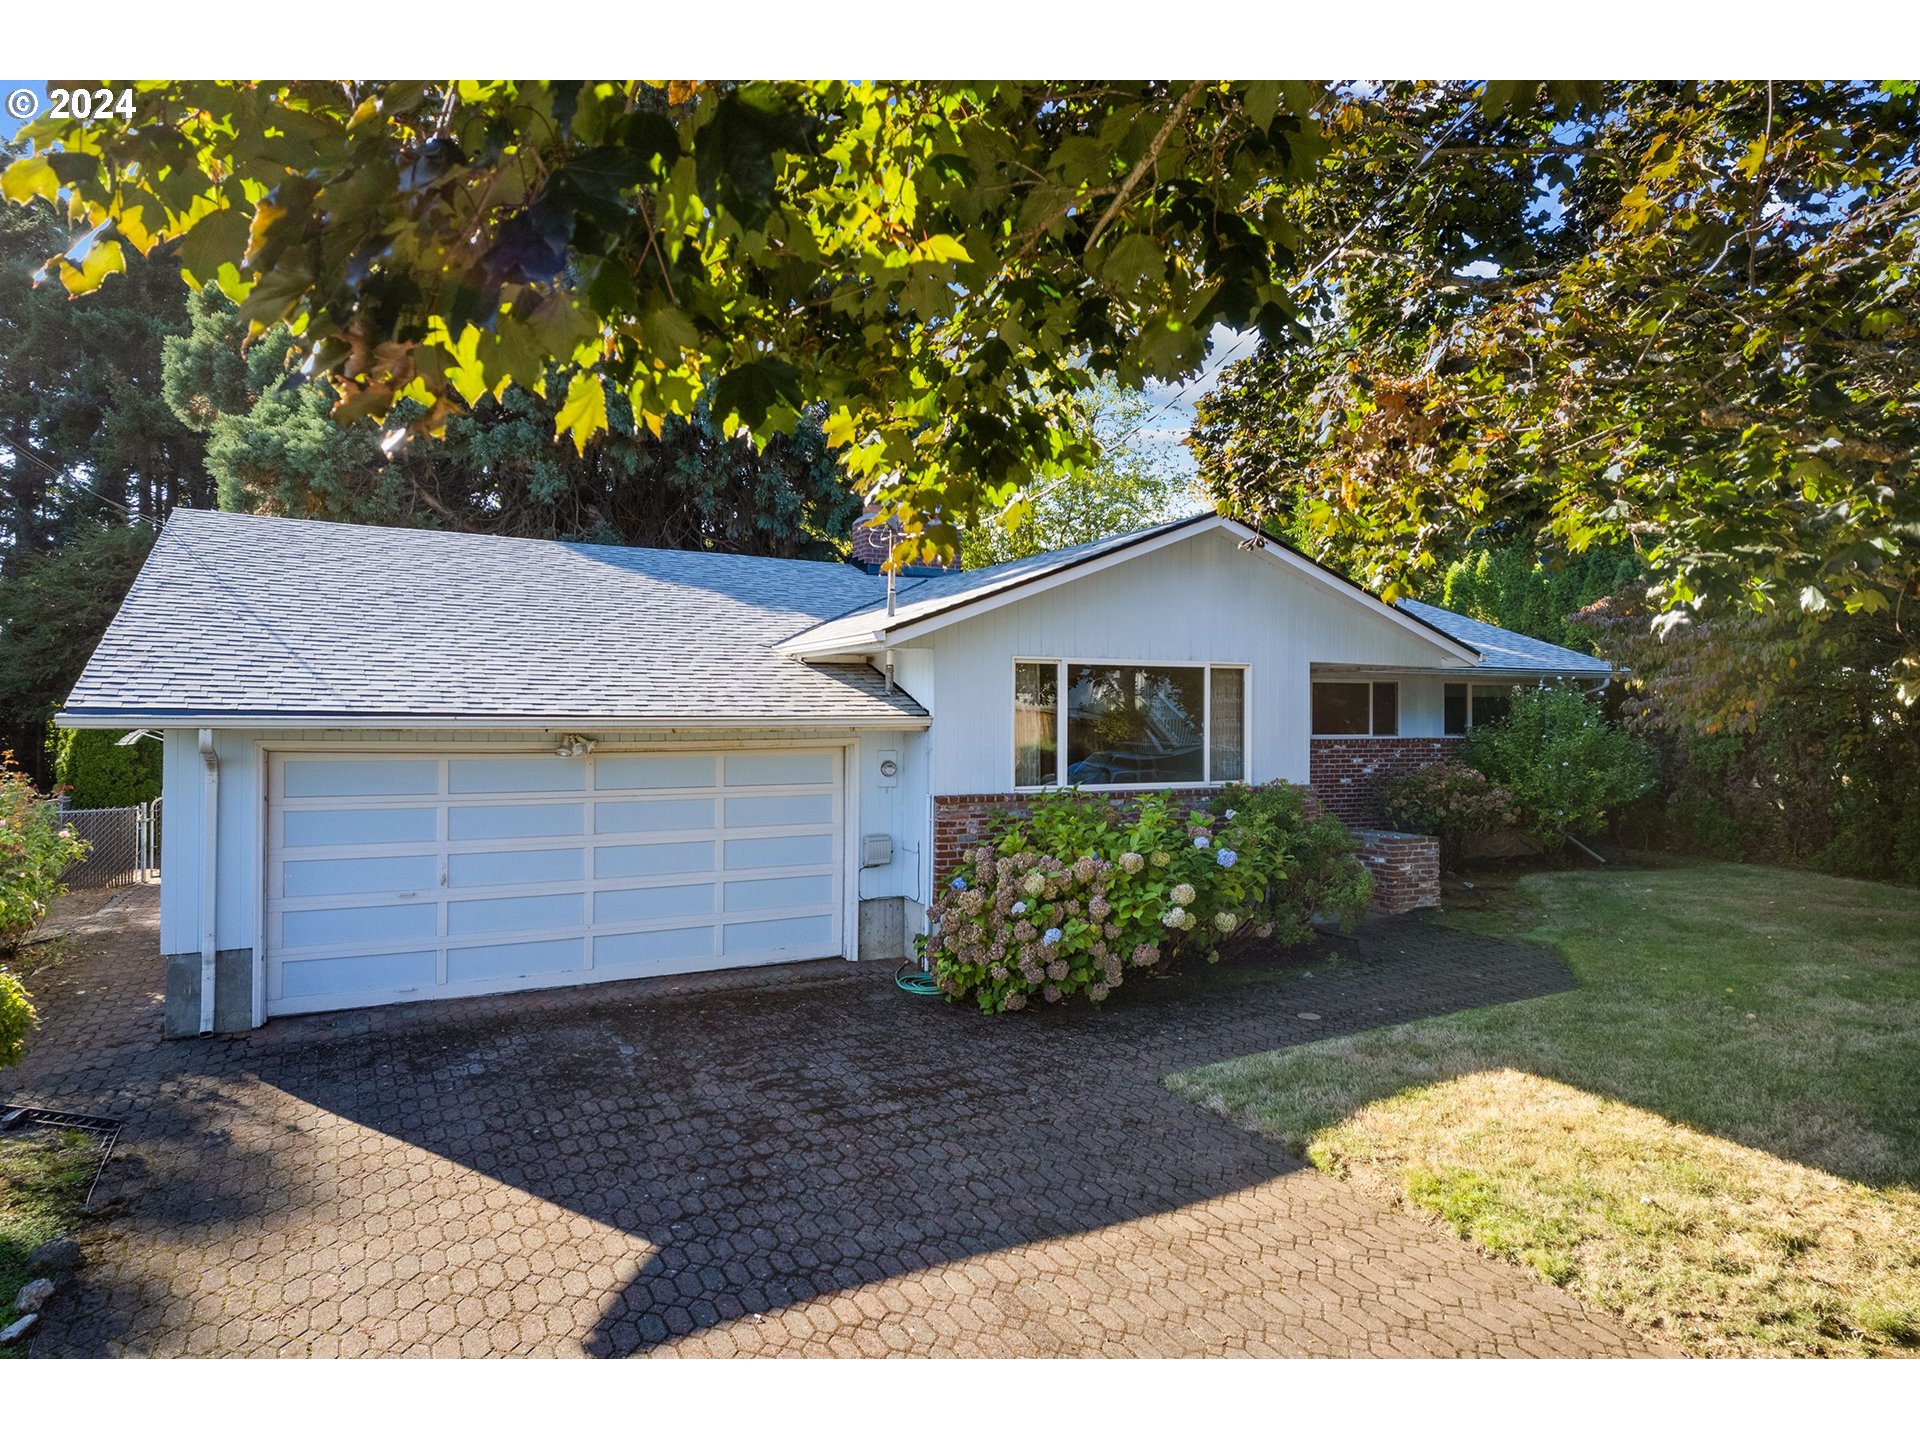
(209,871)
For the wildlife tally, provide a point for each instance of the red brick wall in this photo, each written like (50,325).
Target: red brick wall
(870,541)
(1345,774)
(963,821)
(1406,869)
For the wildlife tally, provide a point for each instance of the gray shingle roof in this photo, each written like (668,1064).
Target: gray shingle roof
(243,615)
(1505,649)
(249,615)
(923,598)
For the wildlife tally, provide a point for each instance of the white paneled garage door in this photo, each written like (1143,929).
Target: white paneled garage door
(403,877)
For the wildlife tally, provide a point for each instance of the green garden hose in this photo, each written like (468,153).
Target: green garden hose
(915,981)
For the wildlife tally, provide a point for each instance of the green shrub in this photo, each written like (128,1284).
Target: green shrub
(1567,769)
(1452,803)
(99,773)
(17,1018)
(34,850)
(1081,890)
(1324,874)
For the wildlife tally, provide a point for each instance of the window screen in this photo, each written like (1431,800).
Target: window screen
(1491,703)
(1386,707)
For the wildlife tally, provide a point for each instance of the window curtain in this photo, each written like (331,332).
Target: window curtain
(1227,747)
(1036,720)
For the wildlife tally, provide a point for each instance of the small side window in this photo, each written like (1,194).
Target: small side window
(1340,707)
(1455,717)
(1491,703)
(1386,707)
(1036,724)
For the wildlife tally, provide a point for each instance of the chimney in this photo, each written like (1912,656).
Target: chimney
(873,545)
(873,542)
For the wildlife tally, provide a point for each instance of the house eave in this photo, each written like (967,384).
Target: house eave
(1474,672)
(90,719)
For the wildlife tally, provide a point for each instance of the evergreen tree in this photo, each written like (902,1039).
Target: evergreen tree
(85,436)
(1513,585)
(273,448)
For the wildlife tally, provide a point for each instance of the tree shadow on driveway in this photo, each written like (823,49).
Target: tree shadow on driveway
(735,1148)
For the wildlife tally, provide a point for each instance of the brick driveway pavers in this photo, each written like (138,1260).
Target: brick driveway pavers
(793,1162)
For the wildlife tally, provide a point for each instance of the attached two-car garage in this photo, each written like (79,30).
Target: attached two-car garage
(406,876)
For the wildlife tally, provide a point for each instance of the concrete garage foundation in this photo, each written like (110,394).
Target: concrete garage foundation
(883,929)
(232,993)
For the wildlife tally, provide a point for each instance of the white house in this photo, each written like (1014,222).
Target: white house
(403,764)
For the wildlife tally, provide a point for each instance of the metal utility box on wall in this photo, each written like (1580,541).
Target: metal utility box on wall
(875,850)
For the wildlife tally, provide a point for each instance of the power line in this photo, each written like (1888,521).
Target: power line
(1305,280)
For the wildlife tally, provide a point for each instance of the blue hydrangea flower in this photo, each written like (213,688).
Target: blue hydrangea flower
(1019,908)
(1226,859)
(1052,937)
(959,882)
(1199,842)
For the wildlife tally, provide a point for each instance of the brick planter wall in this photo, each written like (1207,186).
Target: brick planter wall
(962,821)
(1346,774)
(1406,869)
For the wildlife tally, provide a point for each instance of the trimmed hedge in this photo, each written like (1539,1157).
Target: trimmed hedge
(101,774)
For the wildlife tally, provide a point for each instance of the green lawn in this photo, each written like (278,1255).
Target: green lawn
(1717,1135)
(44,1177)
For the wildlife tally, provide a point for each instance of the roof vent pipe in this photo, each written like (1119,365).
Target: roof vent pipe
(209,872)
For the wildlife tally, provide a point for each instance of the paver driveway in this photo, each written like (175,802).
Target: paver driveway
(797,1162)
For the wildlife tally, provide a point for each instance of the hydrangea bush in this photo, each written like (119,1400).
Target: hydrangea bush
(1453,803)
(1072,897)
(17,1018)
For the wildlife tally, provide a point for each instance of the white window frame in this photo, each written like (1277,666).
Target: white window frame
(1512,687)
(1206,667)
(1399,708)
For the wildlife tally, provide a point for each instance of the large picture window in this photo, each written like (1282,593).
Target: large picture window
(1356,707)
(1121,725)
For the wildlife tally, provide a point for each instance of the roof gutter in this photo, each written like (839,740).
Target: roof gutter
(349,720)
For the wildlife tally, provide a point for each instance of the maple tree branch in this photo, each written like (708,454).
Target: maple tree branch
(1147,161)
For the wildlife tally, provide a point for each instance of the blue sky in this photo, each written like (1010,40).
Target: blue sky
(1167,428)
(10,120)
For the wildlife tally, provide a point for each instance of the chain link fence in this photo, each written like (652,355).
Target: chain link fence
(123,846)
